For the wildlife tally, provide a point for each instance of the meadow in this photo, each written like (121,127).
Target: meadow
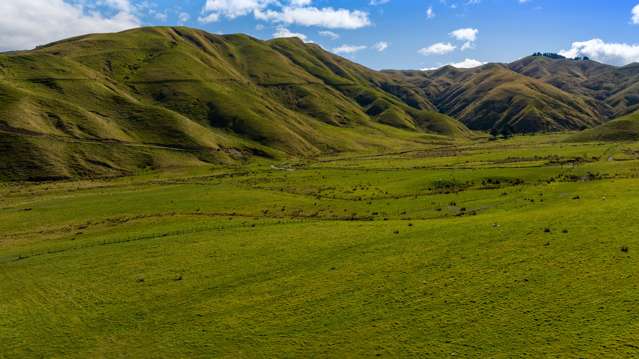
(525,247)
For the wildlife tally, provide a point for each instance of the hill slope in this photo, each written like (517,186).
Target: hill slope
(625,128)
(494,96)
(153,97)
(536,93)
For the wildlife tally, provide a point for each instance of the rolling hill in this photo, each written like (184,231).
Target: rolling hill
(108,104)
(493,96)
(625,128)
(536,93)
(162,97)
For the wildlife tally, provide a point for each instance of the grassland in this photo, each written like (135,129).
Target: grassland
(525,247)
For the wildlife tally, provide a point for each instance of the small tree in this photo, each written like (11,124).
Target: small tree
(507,131)
(494,133)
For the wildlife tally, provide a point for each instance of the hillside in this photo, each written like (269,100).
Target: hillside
(109,104)
(536,93)
(163,97)
(493,96)
(625,128)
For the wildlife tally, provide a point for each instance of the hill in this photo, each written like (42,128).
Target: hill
(494,96)
(625,128)
(536,93)
(109,104)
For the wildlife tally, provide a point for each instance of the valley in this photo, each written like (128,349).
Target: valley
(170,192)
(441,250)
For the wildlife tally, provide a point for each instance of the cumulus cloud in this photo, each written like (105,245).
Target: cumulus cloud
(635,14)
(323,17)
(26,24)
(297,12)
(439,48)
(184,17)
(282,31)
(348,49)
(597,49)
(466,64)
(214,9)
(466,34)
(301,2)
(381,46)
(331,35)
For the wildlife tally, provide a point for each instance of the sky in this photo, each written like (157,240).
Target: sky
(380,34)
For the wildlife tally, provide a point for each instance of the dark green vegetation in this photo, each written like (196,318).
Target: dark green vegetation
(160,98)
(524,247)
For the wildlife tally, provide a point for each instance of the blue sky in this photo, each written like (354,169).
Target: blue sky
(398,34)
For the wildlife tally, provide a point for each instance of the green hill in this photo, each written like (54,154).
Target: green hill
(625,128)
(493,96)
(533,94)
(109,104)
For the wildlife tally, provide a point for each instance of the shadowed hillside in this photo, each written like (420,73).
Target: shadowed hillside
(159,97)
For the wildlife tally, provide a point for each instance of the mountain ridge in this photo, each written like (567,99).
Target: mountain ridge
(230,97)
(227,98)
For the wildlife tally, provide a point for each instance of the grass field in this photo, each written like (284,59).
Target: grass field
(518,248)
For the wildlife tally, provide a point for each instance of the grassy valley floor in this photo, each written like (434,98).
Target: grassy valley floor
(525,247)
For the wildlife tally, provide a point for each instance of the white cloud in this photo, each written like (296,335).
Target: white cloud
(348,49)
(466,64)
(439,48)
(122,5)
(430,13)
(381,46)
(331,35)
(378,2)
(282,31)
(214,9)
(467,34)
(597,49)
(468,45)
(300,2)
(26,24)
(635,14)
(184,17)
(325,17)
(298,12)
(212,17)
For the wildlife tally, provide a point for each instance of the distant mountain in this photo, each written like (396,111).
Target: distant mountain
(536,93)
(109,104)
(493,96)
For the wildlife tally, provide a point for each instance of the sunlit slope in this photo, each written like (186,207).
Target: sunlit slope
(494,97)
(227,96)
(625,128)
